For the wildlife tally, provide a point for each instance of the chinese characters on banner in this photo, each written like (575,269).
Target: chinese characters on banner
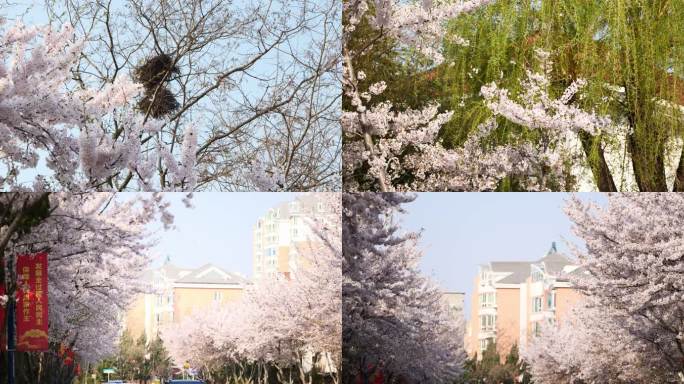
(32,303)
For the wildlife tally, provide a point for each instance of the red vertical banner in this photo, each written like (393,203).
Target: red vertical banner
(32,303)
(3,327)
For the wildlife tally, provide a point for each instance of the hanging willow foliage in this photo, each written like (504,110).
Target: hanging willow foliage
(629,51)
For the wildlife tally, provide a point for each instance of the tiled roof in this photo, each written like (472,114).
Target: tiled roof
(211,274)
(554,262)
(519,271)
(206,274)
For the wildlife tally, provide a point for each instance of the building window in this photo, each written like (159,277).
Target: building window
(218,296)
(294,207)
(551,300)
(487,299)
(160,299)
(169,299)
(536,304)
(484,343)
(536,328)
(537,274)
(158,318)
(487,323)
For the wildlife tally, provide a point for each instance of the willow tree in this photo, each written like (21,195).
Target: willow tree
(623,59)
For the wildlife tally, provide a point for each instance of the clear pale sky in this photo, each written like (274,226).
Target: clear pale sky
(464,230)
(217,230)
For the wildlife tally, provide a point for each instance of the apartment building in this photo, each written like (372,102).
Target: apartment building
(512,299)
(282,234)
(178,292)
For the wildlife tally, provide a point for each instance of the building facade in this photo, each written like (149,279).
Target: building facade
(512,300)
(282,234)
(178,292)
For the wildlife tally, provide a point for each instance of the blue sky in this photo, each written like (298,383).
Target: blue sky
(464,230)
(217,230)
(33,12)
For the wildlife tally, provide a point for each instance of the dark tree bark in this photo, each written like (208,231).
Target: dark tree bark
(679,177)
(649,166)
(602,176)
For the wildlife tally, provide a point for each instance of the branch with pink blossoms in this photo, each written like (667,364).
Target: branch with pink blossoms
(283,322)
(98,247)
(88,139)
(389,149)
(537,110)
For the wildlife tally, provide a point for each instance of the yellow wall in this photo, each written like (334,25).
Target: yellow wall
(283,260)
(135,317)
(473,330)
(566,298)
(186,300)
(507,319)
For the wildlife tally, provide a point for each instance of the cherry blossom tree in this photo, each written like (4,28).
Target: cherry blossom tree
(97,245)
(87,136)
(605,74)
(628,328)
(634,266)
(584,96)
(395,320)
(288,324)
(390,144)
(258,82)
(590,345)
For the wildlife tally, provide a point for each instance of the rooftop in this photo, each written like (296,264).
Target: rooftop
(553,263)
(206,274)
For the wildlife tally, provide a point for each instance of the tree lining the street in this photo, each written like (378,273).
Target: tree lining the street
(97,250)
(630,326)
(285,328)
(395,320)
(135,359)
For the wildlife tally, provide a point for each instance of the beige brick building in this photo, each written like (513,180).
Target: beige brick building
(511,300)
(282,234)
(178,293)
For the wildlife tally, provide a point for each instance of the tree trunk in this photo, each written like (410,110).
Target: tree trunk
(679,176)
(649,166)
(602,176)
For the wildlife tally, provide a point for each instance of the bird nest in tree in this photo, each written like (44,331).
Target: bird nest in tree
(155,70)
(159,104)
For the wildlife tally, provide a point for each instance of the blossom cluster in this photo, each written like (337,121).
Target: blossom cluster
(286,321)
(89,139)
(538,110)
(395,320)
(98,246)
(632,287)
